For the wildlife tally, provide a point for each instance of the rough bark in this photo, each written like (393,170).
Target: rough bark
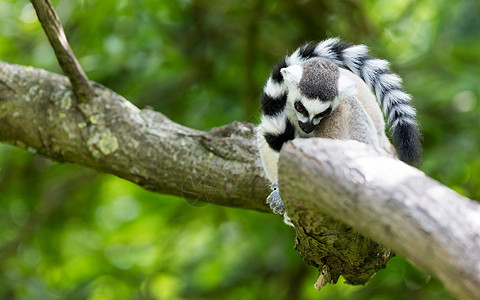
(386,200)
(39,112)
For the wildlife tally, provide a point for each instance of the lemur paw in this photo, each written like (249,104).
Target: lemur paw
(275,201)
(276,204)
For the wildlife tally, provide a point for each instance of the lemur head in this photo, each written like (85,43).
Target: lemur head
(315,89)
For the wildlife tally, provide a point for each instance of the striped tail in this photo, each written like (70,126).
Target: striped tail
(388,88)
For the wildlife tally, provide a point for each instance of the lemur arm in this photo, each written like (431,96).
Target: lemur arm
(269,146)
(269,157)
(274,130)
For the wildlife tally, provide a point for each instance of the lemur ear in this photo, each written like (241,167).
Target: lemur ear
(346,86)
(292,74)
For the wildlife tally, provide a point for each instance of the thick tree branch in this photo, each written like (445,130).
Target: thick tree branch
(108,133)
(68,62)
(388,201)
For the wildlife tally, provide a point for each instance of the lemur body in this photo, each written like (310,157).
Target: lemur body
(309,95)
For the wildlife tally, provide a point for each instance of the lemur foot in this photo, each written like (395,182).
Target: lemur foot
(275,201)
(276,204)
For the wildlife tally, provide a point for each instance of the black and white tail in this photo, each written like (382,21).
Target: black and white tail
(387,86)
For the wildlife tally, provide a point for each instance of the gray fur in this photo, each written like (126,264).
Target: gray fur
(319,79)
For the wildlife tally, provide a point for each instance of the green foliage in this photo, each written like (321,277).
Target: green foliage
(70,233)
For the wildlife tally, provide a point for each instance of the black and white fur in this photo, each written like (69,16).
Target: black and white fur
(311,81)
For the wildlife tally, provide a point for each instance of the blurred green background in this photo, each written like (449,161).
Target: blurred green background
(67,232)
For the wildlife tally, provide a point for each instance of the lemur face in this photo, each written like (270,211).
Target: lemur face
(308,112)
(312,92)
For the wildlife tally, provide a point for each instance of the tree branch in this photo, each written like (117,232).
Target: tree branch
(68,62)
(388,201)
(109,134)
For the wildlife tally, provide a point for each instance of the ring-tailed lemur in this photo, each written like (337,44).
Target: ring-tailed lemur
(308,86)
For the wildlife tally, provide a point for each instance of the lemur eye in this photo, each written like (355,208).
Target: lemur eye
(324,113)
(299,107)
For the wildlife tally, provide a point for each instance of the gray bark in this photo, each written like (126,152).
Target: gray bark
(388,201)
(39,112)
